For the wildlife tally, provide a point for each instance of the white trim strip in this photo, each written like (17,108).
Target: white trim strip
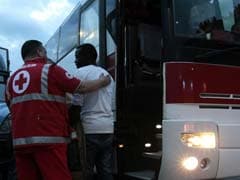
(40,140)
(44,79)
(38,96)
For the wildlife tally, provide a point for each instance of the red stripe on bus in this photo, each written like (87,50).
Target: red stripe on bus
(186,82)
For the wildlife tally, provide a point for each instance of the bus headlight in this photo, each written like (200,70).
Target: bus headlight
(199,140)
(190,163)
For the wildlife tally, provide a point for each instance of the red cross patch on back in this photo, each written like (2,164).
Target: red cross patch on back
(21,82)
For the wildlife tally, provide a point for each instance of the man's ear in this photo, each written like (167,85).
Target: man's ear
(39,53)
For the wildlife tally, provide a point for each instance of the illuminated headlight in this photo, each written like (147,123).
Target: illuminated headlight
(120,145)
(148,145)
(190,163)
(199,140)
(5,126)
(158,126)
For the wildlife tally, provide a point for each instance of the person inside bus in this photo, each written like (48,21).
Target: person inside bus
(202,11)
(96,115)
(35,94)
(236,26)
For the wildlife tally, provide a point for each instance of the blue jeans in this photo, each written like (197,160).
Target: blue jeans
(99,150)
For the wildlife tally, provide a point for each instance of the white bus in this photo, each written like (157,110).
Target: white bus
(176,67)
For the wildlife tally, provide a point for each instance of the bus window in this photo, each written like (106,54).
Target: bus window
(3,60)
(82,1)
(201,11)
(2,64)
(111,19)
(68,62)
(111,46)
(3,77)
(52,46)
(4,72)
(111,36)
(68,34)
(111,26)
(89,30)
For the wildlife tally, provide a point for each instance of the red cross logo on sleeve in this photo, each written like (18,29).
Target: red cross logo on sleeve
(21,82)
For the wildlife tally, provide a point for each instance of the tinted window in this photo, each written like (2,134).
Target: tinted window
(199,17)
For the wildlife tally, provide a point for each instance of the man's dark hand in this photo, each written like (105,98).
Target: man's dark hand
(208,25)
(105,79)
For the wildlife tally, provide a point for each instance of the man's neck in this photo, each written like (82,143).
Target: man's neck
(32,58)
(35,59)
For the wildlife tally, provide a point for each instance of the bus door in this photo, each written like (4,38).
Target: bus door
(139,89)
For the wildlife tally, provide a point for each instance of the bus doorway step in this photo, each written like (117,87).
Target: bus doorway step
(143,175)
(153,155)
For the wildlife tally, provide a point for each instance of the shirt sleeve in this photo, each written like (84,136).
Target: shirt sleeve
(65,80)
(78,99)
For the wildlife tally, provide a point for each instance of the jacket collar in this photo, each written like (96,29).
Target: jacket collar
(40,60)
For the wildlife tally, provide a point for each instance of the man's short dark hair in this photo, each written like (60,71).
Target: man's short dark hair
(86,54)
(30,47)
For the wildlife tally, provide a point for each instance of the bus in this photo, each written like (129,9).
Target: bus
(7,161)
(176,67)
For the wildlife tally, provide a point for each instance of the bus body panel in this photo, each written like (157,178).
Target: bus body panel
(229,163)
(229,133)
(229,147)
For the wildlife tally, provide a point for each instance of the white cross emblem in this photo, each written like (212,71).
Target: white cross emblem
(21,82)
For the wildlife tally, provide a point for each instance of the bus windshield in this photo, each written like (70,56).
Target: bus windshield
(219,19)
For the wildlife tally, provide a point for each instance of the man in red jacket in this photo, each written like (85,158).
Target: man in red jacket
(35,94)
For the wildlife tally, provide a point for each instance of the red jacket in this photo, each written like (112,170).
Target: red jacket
(36,94)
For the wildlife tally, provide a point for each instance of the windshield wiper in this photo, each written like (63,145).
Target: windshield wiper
(216,52)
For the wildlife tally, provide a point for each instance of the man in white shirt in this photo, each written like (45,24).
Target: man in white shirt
(96,114)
